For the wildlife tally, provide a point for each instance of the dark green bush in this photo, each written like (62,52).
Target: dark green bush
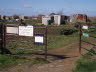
(67,31)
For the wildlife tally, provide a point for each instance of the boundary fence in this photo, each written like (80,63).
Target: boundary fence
(45,33)
(5,38)
(86,34)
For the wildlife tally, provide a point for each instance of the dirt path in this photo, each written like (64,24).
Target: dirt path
(56,66)
(63,47)
(66,48)
(59,65)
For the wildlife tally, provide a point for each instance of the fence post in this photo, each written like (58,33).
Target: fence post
(4,50)
(46,44)
(2,39)
(80,34)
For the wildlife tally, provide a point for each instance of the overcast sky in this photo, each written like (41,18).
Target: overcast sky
(34,7)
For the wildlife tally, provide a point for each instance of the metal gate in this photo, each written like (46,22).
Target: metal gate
(14,44)
(87,38)
(56,41)
(1,39)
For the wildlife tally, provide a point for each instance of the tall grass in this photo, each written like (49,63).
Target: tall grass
(87,63)
(7,61)
(60,40)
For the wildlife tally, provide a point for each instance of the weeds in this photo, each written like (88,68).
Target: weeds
(86,63)
(8,61)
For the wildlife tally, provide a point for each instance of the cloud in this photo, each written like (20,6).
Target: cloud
(27,6)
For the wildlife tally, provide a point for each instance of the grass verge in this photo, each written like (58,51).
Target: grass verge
(7,61)
(86,63)
(60,40)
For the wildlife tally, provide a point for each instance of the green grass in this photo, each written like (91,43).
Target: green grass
(54,41)
(6,22)
(60,40)
(21,52)
(7,61)
(87,63)
(29,22)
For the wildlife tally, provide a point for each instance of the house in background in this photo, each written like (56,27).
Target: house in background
(7,18)
(2,17)
(21,17)
(40,17)
(34,18)
(54,19)
(51,20)
(57,19)
(78,18)
(46,19)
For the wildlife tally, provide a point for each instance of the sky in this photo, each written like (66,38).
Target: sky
(35,7)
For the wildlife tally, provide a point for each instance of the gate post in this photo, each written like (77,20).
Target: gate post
(4,50)
(46,44)
(80,34)
(2,38)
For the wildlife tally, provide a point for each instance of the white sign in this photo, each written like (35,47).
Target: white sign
(39,39)
(26,30)
(85,27)
(12,30)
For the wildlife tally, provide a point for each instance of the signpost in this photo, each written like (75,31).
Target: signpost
(26,30)
(39,39)
(85,27)
(85,35)
(12,30)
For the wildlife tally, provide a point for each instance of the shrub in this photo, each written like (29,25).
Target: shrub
(67,31)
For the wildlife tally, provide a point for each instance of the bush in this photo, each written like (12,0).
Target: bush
(67,31)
